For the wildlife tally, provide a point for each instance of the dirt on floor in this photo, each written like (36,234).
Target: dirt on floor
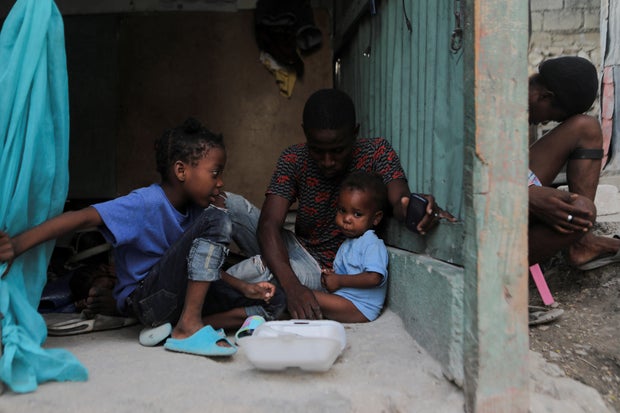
(585,341)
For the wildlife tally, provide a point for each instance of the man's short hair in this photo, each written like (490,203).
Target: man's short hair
(329,109)
(573,80)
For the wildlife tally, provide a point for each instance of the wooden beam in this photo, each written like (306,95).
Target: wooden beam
(495,331)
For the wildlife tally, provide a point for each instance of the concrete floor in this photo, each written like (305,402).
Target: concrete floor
(382,369)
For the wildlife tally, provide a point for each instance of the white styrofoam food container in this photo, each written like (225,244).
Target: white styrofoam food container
(311,345)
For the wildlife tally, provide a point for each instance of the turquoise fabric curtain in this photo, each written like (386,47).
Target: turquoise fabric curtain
(34,140)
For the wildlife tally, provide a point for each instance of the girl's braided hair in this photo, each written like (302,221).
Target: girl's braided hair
(187,143)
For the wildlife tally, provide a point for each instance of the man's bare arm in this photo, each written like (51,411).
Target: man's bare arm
(301,301)
(398,196)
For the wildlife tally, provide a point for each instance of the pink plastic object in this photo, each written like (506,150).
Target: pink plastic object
(541,284)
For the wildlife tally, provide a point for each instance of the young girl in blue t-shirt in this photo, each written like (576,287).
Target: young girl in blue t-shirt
(170,241)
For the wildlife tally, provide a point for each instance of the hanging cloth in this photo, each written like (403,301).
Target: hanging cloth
(34,139)
(283,28)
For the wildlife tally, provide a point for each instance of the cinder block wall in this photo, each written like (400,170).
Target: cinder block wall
(565,27)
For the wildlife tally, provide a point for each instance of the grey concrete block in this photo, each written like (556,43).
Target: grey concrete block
(537,21)
(428,296)
(582,4)
(592,19)
(564,20)
(540,5)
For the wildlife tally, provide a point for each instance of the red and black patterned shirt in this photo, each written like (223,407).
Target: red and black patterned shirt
(297,178)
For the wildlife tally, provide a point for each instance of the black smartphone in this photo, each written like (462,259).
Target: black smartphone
(415,211)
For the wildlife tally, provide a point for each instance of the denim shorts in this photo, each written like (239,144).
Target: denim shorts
(205,259)
(197,255)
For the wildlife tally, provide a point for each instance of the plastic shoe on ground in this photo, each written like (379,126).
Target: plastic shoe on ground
(86,324)
(601,261)
(247,328)
(203,342)
(150,337)
(543,315)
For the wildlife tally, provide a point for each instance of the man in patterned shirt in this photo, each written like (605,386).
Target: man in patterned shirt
(310,173)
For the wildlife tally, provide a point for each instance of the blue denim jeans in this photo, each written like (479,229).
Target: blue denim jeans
(244,218)
(197,255)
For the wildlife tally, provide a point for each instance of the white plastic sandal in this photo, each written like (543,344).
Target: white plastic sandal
(152,336)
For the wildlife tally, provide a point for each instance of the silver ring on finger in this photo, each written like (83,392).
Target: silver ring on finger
(569,218)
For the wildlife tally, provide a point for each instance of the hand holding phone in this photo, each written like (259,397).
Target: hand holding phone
(415,211)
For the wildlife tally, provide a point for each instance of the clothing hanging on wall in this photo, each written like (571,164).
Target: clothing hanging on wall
(284,30)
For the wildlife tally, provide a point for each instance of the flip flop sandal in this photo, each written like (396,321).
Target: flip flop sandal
(247,328)
(543,315)
(600,261)
(87,324)
(203,342)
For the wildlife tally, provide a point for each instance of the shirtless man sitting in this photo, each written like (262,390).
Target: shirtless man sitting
(561,91)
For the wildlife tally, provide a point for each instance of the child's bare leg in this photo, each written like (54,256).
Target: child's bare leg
(335,307)
(230,319)
(191,316)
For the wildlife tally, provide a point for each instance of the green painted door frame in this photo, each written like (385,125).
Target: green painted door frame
(495,290)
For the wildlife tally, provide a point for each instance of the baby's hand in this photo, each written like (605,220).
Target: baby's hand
(329,280)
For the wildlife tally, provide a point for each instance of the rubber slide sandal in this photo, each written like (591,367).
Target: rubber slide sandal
(203,342)
(247,328)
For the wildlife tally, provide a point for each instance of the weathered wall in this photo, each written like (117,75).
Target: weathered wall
(133,75)
(565,27)
(207,65)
